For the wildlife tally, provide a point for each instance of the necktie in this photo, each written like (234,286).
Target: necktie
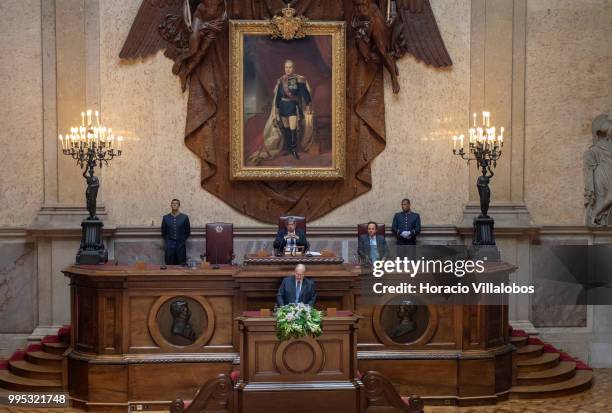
(298,288)
(373,250)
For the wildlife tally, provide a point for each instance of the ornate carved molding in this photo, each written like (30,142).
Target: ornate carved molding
(157,358)
(435,354)
(288,26)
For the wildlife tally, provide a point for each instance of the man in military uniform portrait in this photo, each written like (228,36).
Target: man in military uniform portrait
(292,103)
(175,230)
(290,126)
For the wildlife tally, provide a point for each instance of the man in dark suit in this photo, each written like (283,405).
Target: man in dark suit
(372,247)
(406,225)
(175,230)
(297,289)
(290,237)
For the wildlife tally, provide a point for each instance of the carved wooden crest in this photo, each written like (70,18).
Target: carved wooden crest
(288,26)
(195,35)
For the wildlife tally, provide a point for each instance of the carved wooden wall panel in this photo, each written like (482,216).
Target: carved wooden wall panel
(86,320)
(110,383)
(166,381)
(140,337)
(298,358)
(110,318)
(334,366)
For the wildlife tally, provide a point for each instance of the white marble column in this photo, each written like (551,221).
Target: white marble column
(498,50)
(71,84)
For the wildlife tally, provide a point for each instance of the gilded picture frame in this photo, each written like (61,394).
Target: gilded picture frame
(287,101)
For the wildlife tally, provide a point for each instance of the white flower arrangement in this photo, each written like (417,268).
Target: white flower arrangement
(294,321)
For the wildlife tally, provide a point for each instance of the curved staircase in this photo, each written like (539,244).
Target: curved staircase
(544,371)
(38,367)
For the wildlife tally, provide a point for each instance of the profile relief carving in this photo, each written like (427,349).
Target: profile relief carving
(406,324)
(180,320)
(598,174)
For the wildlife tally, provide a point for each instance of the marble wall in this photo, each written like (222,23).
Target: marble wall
(569,67)
(21,112)
(18,311)
(18,293)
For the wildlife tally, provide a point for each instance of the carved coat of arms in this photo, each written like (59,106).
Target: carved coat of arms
(288,26)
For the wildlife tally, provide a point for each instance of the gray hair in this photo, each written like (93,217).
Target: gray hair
(291,220)
(300,265)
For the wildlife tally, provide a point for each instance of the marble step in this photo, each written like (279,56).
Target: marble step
(529,351)
(55,348)
(44,359)
(9,381)
(34,371)
(519,341)
(543,362)
(564,371)
(582,380)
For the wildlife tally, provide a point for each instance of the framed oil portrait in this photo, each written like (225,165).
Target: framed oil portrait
(287,102)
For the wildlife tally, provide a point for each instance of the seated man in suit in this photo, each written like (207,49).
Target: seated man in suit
(372,247)
(297,289)
(290,237)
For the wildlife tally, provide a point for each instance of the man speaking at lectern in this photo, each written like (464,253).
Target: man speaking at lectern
(296,289)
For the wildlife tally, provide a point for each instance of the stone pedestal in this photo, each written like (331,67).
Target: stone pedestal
(92,251)
(483,231)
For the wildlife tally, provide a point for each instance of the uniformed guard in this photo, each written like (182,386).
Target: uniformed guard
(406,225)
(175,231)
(293,102)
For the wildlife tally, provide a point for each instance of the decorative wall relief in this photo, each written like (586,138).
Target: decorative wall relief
(598,174)
(195,35)
(405,323)
(181,322)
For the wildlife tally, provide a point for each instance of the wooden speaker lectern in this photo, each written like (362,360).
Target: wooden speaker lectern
(306,375)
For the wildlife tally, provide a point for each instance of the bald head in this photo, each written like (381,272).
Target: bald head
(300,270)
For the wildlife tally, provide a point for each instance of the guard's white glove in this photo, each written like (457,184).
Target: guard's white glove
(405,234)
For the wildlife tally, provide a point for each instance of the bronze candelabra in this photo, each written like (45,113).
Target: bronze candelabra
(484,147)
(91,145)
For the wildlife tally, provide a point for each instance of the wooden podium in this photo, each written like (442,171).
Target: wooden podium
(306,375)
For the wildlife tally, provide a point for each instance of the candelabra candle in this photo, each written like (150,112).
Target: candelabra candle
(484,145)
(91,145)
